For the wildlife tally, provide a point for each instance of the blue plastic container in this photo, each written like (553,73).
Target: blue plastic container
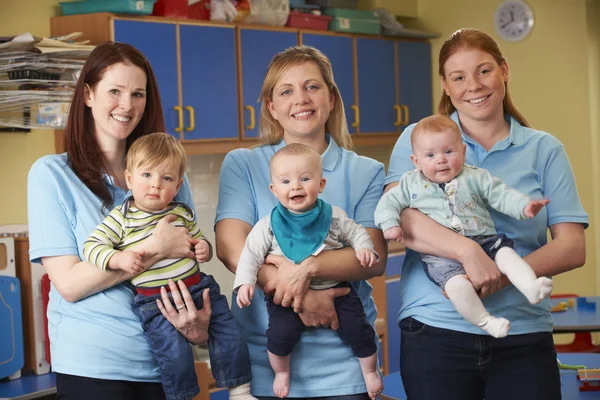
(137,7)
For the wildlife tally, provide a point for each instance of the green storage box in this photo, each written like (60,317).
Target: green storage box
(137,7)
(354,21)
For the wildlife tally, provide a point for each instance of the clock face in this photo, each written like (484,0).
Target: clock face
(513,20)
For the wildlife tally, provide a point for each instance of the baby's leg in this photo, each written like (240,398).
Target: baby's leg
(241,392)
(469,305)
(368,366)
(281,366)
(522,276)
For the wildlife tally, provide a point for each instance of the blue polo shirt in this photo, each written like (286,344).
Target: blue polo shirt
(321,364)
(536,164)
(99,336)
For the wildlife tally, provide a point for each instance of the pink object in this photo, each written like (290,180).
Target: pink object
(308,21)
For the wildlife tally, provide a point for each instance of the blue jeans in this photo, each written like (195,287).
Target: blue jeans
(440,364)
(229,359)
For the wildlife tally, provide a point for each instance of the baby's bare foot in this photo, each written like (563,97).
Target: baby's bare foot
(281,385)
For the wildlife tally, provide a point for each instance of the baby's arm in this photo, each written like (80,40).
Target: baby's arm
(202,247)
(99,248)
(505,199)
(258,243)
(245,294)
(356,236)
(387,213)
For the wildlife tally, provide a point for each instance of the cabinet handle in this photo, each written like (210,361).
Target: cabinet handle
(180,111)
(398,115)
(405,108)
(252,119)
(192,119)
(356,116)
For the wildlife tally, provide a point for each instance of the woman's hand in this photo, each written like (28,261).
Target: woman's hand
(190,322)
(318,309)
(291,283)
(168,241)
(482,271)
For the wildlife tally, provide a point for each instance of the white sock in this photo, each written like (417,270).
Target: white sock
(521,275)
(241,392)
(469,306)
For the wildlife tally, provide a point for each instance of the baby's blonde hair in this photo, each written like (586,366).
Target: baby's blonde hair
(151,150)
(434,124)
(297,149)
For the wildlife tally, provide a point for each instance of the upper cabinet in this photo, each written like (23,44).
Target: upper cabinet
(210,75)
(258,47)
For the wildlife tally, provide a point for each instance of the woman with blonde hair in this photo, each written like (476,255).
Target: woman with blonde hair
(442,356)
(302,104)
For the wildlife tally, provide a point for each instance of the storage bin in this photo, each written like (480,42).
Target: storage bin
(171,8)
(335,3)
(355,21)
(308,21)
(138,7)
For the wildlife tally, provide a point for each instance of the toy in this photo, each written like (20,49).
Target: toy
(583,304)
(561,306)
(589,379)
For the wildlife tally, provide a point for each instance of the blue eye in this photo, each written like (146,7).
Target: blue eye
(139,95)
(312,87)
(449,151)
(285,181)
(285,92)
(305,179)
(168,178)
(429,155)
(114,91)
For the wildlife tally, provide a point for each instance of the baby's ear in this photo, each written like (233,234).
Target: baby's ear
(128,179)
(415,161)
(179,184)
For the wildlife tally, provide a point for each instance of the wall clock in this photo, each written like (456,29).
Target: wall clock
(513,20)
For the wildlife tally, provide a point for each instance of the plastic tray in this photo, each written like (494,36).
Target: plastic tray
(335,3)
(139,7)
(308,21)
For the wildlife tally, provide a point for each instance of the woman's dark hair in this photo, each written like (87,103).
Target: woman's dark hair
(85,156)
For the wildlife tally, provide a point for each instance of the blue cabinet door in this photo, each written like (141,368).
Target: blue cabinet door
(209,82)
(392,288)
(376,85)
(158,43)
(341,54)
(258,48)
(414,64)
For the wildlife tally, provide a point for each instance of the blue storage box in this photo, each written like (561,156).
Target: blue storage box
(11,323)
(137,7)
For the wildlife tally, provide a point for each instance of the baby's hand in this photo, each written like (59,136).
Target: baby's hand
(244,295)
(128,261)
(202,251)
(533,207)
(366,257)
(394,233)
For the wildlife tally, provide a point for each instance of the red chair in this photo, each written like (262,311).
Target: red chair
(582,343)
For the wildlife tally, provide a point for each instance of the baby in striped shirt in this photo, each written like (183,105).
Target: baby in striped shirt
(154,173)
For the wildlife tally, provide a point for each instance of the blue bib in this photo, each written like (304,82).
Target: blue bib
(300,235)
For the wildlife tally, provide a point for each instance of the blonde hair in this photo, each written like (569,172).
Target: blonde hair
(434,124)
(270,130)
(467,38)
(151,150)
(297,149)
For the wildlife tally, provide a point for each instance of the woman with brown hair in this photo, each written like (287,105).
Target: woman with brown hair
(98,348)
(302,104)
(442,356)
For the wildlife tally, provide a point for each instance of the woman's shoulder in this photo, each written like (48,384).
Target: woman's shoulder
(541,139)
(247,156)
(51,162)
(358,161)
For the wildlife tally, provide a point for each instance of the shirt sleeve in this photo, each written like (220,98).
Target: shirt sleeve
(185,194)
(258,244)
(365,208)
(100,245)
(50,226)
(387,213)
(400,161)
(236,198)
(499,196)
(354,234)
(560,188)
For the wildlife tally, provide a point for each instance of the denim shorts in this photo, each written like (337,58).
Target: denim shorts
(439,269)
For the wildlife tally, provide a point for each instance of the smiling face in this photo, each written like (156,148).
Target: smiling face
(475,83)
(439,155)
(117,102)
(301,103)
(297,180)
(153,188)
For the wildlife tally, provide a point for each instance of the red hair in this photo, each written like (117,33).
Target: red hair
(85,156)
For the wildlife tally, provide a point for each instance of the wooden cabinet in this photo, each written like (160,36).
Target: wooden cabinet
(258,46)
(210,75)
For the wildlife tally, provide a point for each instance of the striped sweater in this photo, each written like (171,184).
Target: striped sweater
(126,226)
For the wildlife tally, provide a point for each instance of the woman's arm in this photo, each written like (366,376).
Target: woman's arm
(565,252)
